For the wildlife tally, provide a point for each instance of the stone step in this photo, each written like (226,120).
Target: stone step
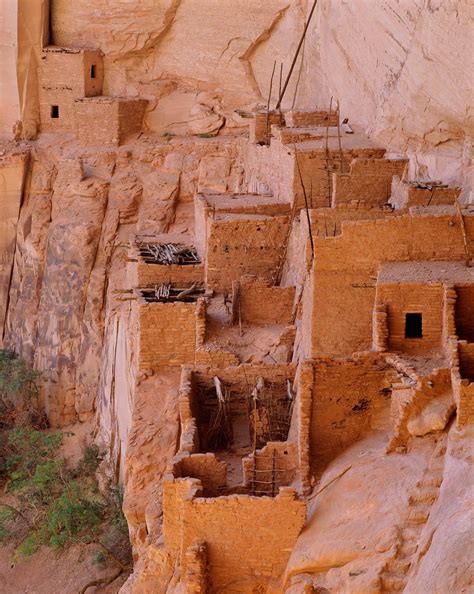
(393,582)
(410,533)
(408,548)
(430,481)
(426,495)
(419,515)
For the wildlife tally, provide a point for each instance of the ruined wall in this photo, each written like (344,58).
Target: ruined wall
(248,538)
(347,395)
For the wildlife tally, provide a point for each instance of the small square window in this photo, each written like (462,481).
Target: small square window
(93,71)
(55,111)
(413,325)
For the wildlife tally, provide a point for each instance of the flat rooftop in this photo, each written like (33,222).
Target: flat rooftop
(425,272)
(245,203)
(357,140)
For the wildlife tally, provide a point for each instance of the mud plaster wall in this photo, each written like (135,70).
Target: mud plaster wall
(426,299)
(369,180)
(248,538)
(347,394)
(346,267)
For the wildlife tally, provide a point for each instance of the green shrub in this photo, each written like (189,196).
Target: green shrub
(18,380)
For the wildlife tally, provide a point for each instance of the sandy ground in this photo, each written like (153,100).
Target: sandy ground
(53,572)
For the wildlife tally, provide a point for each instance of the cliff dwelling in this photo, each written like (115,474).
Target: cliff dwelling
(236,297)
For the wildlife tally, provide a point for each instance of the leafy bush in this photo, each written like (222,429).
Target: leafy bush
(18,381)
(56,505)
(19,392)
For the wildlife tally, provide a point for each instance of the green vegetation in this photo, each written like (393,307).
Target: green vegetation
(168,134)
(206,135)
(18,388)
(45,501)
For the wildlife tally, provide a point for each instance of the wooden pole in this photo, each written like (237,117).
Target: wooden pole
(306,204)
(292,67)
(267,126)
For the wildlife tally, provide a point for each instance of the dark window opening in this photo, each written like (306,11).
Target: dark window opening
(55,111)
(413,325)
(93,71)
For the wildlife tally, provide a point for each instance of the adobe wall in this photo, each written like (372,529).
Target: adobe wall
(169,333)
(107,120)
(264,304)
(243,245)
(249,539)
(343,282)
(347,393)
(369,180)
(426,299)
(64,76)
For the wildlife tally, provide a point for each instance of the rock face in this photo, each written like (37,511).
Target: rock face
(370,447)
(400,70)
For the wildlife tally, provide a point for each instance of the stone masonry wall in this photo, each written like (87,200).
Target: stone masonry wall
(347,393)
(263,304)
(64,76)
(369,180)
(249,539)
(426,299)
(107,120)
(343,287)
(241,245)
(168,334)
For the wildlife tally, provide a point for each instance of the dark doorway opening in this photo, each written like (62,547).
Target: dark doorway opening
(93,71)
(413,325)
(55,111)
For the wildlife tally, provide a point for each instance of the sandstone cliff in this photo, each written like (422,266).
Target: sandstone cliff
(402,73)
